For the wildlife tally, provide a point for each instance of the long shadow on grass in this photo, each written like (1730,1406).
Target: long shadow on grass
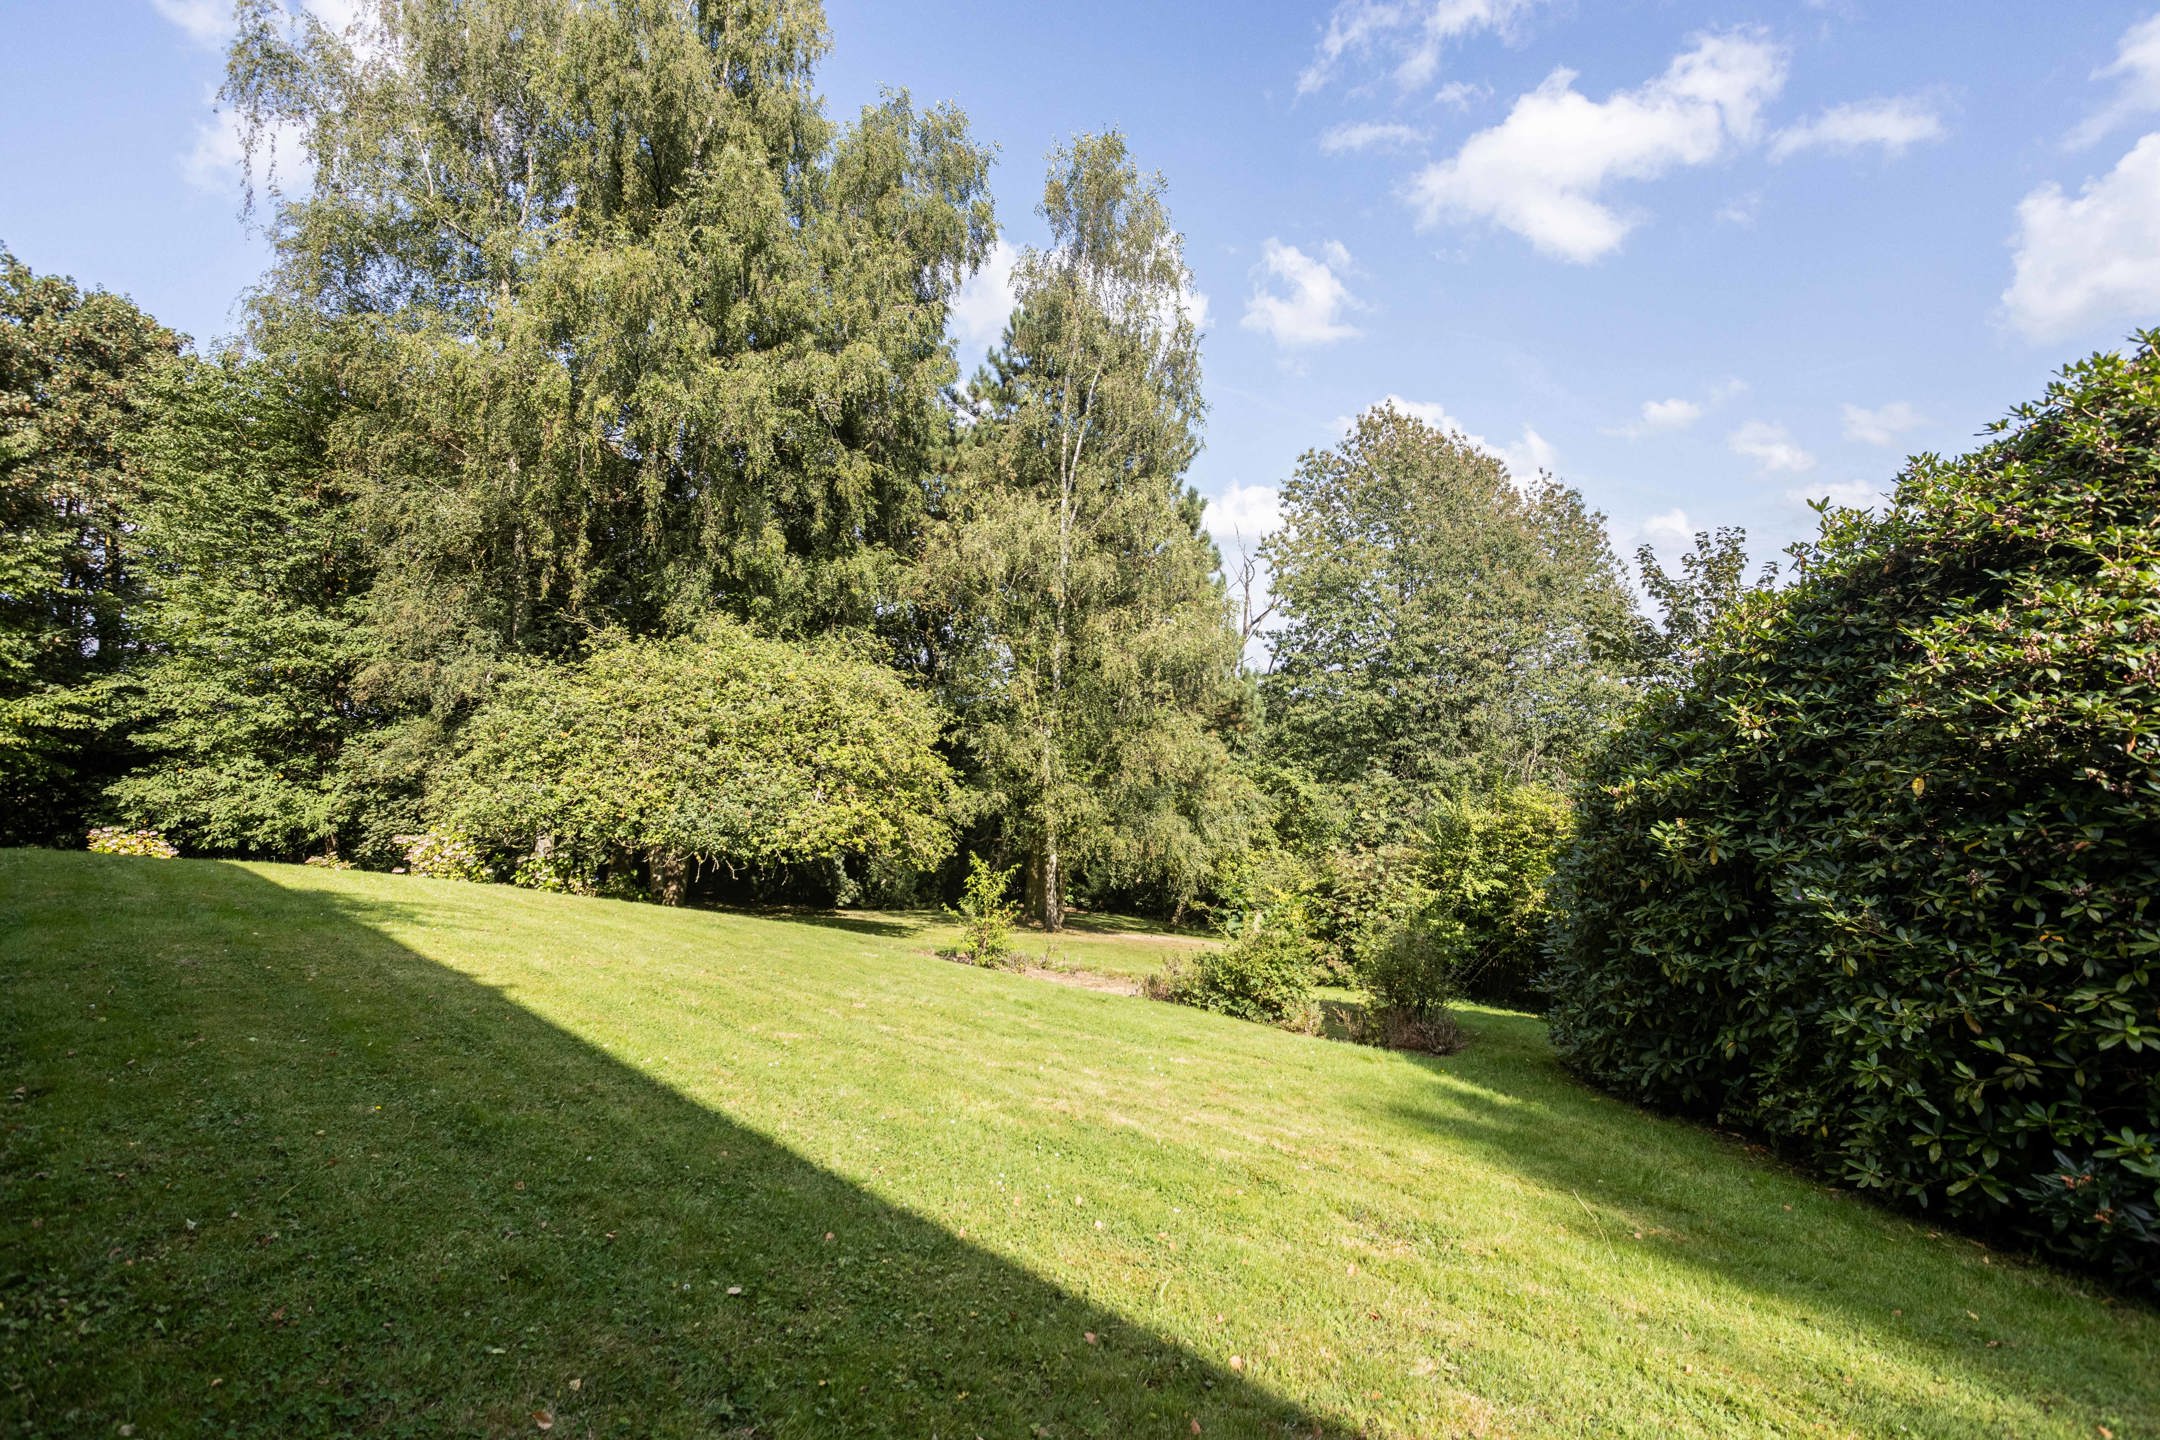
(1660,1192)
(270,1173)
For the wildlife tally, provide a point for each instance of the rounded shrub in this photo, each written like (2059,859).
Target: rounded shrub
(1265,974)
(1879,877)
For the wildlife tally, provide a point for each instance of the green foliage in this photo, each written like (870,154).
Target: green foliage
(246,697)
(1488,861)
(625,331)
(1877,878)
(985,915)
(723,749)
(1409,980)
(77,372)
(113,840)
(1363,897)
(1265,974)
(1711,579)
(445,857)
(1090,646)
(1441,625)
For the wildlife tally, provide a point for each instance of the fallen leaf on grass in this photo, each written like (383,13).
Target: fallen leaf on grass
(542,1420)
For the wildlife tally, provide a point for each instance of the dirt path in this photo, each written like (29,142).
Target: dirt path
(1084,980)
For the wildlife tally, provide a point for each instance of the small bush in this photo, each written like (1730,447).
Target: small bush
(1410,981)
(329,862)
(1266,974)
(553,874)
(113,840)
(444,857)
(985,915)
(1361,900)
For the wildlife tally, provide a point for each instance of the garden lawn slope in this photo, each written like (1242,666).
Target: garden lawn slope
(296,1152)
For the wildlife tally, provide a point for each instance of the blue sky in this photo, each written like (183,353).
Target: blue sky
(1701,260)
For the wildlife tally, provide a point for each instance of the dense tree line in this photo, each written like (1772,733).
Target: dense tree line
(599,373)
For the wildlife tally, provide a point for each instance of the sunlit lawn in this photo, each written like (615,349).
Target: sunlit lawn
(296,1153)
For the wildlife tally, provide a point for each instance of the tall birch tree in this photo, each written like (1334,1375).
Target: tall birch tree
(1094,655)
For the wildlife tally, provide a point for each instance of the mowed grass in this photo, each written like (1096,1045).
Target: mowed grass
(1115,946)
(289,1152)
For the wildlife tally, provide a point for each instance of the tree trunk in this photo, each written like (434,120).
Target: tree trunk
(667,872)
(1053,909)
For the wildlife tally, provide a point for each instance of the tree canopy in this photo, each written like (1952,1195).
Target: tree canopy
(1443,623)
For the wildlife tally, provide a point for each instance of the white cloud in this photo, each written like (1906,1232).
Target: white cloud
(1310,311)
(1369,135)
(1461,94)
(1541,171)
(210,22)
(984,301)
(1896,125)
(1670,528)
(1413,33)
(1673,414)
(2137,68)
(1770,447)
(214,163)
(1677,412)
(2081,262)
(1846,494)
(1741,209)
(1244,514)
(207,22)
(1883,426)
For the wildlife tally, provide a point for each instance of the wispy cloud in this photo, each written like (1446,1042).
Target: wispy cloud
(1370,135)
(2136,73)
(206,22)
(1770,447)
(1409,36)
(1893,125)
(1881,426)
(1543,171)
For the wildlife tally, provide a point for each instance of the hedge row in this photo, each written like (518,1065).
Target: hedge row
(1880,878)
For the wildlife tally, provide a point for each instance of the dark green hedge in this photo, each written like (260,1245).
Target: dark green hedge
(1881,878)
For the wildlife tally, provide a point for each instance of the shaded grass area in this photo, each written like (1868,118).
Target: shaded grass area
(288,1152)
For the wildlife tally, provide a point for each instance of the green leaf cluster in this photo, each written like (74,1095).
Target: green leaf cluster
(1877,877)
